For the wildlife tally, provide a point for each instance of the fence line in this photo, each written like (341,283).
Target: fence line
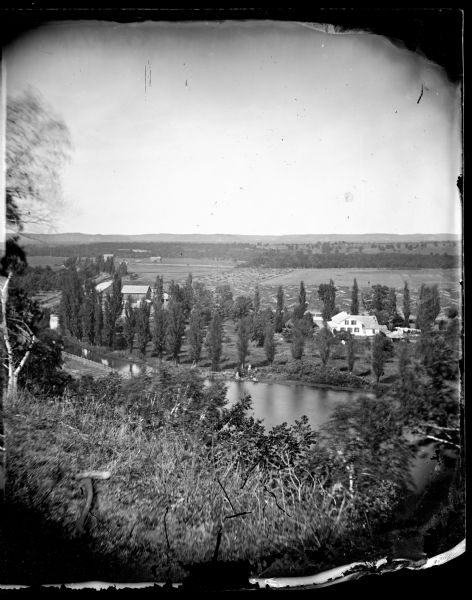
(87,361)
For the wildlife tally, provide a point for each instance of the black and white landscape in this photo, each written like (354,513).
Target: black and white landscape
(232,300)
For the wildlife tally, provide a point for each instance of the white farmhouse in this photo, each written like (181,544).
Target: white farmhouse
(360,325)
(136,293)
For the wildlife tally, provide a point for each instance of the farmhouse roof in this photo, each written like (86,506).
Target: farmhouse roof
(340,317)
(135,289)
(369,321)
(101,277)
(103,285)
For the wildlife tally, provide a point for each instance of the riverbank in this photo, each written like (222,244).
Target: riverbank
(127,364)
(279,378)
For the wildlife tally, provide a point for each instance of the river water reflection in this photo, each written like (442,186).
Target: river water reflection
(276,403)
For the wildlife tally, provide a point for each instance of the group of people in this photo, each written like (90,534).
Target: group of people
(248,373)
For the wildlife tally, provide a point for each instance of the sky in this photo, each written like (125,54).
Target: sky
(245,128)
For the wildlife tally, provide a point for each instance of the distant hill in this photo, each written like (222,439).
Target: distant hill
(65,239)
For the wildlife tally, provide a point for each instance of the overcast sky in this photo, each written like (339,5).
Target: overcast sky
(250,127)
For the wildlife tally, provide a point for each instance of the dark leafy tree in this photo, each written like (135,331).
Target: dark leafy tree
(242,342)
(214,340)
(324,342)
(143,334)
(109,322)
(379,355)
(37,146)
(307,325)
(71,303)
(302,295)
(351,349)
(279,321)
(406,305)
(257,300)
(269,342)
(327,295)
(21,319)
(195,335)
(113,307)
(43,369)
(452,334)
(129,325)
(242,307)
(365,442)
(98,320)
(122,269)
(87,313)
(159,289)
(188,295)
(428,307)
(297,346)
(355,298)
(258,329)
(159,328)
(175,328)
(204,300)
(224,298)
(176,292)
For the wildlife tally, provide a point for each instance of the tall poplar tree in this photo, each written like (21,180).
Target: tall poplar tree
(406,305)
(428,307)
(71,303)
(379,355)
(327,295)
(175,328)
(297,346)
(279,316)
(269,342)
(214,340)
(159,328)
(88,313)
(242,342)
(129,323)
(98,320)
(257,300)
(355,298)
(188,294)
(159,291)
(143,334)
(108,332)
(195,335)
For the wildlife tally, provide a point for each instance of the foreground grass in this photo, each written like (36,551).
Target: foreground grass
(174,497)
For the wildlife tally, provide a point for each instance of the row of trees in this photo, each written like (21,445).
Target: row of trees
(87,314)
(359,260)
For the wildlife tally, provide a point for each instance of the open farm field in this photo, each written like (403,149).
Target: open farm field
(176,269)
(448,281)
(366,277)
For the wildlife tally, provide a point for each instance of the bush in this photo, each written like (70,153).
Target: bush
(311,373)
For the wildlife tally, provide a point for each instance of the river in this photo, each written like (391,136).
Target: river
(276,403)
